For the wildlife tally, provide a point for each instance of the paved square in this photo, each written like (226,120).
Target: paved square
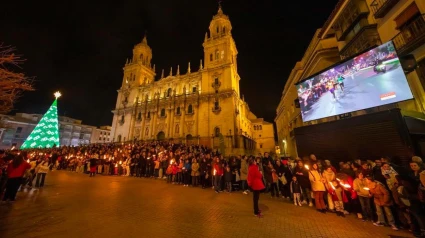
(75,205)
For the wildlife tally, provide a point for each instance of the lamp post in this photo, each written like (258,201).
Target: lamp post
(284,147)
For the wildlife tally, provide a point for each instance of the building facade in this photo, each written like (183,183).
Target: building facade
(355,26)
(101,135)
(202,106)
(15,130)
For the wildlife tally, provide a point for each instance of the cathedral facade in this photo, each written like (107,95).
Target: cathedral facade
(200,106)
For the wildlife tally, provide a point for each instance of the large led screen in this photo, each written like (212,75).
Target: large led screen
(371,79)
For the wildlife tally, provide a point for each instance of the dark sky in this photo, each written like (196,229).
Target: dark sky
(80,48)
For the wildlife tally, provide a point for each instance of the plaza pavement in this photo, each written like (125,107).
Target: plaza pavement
(75,205)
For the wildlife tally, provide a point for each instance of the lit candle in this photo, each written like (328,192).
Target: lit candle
(366,188)
(306,166)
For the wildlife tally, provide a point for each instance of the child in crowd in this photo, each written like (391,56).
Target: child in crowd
(228,176)
(169,173)
(175,172)
(296,191)
(338,198)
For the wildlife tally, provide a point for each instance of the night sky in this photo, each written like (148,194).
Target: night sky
(80,48)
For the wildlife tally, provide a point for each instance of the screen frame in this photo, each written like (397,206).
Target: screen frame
(342,62)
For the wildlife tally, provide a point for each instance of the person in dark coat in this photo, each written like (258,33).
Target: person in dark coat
(93,166)
(302,177)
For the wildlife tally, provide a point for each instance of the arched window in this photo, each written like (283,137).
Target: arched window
(217,131)
(255,127)
(224,29)
(216,81)
(149,115)
(178,111)
(177,128)
(119,138)
(169,92)
(211,57)
(163,112)
(217,54)
(218,30)
(260,127)
(139,116)
(190,109)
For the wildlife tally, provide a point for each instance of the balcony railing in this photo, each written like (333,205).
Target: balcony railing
(411,36)
(352,14)
(216,109)
(216,85)
(381,7)
(367,37)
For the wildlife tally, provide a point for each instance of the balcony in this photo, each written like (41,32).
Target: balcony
(365,38)
(411,36)
(352,14)
(216,109)
(381,7)
(216,84)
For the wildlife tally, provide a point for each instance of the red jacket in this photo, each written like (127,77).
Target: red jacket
(17,172)
(218,169)
(255,178)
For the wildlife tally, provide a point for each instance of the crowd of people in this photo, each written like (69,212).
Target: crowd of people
(377,191)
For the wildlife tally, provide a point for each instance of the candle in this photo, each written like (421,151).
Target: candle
(332,185)
(306,166)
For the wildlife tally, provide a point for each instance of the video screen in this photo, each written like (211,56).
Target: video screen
(372,79)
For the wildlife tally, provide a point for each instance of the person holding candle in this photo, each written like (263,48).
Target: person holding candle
(360,186)
(302,177)
(255,181)
(382,200)
(338,197)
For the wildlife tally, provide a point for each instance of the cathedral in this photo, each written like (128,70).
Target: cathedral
(195,107)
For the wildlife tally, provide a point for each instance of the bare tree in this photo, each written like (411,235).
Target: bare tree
(12,83)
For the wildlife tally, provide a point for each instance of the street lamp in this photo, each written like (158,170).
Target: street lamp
(284,147)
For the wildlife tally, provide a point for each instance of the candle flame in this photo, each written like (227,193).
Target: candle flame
(366,188)
(306,166)
(215,171)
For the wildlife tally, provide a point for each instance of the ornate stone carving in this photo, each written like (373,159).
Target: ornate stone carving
(161,127)
(189,126)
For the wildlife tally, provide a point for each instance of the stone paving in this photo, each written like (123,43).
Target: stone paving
(75,205)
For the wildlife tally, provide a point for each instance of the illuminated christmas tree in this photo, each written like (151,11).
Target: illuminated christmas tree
(46,133)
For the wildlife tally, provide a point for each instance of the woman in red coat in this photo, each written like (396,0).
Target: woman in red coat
(255,181)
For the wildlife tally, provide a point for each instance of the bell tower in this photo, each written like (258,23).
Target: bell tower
(220,53)
(138,70)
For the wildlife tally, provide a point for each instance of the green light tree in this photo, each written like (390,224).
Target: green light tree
(46,133)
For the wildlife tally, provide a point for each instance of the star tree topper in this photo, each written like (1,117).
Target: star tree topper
(57,94)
